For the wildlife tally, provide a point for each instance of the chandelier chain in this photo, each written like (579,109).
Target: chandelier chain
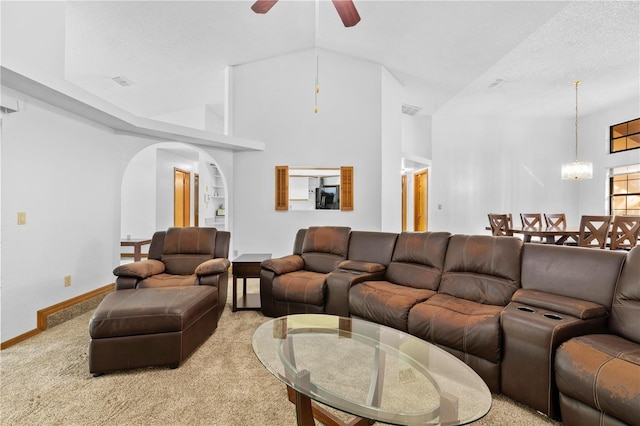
(576,84)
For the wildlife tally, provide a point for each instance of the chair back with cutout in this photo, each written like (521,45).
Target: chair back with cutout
(594,231)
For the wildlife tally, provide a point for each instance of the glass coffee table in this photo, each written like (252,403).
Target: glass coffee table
(373,372)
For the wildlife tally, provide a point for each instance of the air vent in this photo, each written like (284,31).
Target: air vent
(8,105)
(497,82)
(122,81)
(410,109)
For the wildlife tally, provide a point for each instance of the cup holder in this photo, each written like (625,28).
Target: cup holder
(553,317)
(525,309)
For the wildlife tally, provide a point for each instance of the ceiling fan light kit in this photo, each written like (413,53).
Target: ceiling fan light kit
(345,8)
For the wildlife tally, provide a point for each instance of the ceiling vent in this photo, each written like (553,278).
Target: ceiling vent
(410,109)
(497,82)
(8,105)
(122,81)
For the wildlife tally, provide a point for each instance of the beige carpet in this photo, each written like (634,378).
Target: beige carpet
(45,381)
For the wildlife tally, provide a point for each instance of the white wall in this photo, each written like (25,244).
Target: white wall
(273,102)
(512,165)
(391,154)
(416,135)
(594,146)
(66,173)
(138,200)
(487,165)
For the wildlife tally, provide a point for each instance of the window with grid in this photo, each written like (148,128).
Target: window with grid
(625,191)
(625,136)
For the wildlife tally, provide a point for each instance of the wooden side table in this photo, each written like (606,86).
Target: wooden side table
(137,244)
(246,266)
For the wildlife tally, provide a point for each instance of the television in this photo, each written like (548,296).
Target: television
(328,197)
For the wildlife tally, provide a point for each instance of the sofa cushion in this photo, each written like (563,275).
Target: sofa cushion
(372,247)
(186,248)
(360,266)
(300,287)
(324,247)
(153,310)
(140,270)
(625,312)
(283,265)
(482,268)
(321,262)
(418,259)
(384,302)
(460,324)
(167,280)
(574,272)
(603,372)
(327,239)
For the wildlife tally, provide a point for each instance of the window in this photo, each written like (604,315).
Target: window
(625,191)
(625,136)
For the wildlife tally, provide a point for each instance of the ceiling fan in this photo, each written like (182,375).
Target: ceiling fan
(346,9)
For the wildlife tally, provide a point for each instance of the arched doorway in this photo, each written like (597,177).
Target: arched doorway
(148,183)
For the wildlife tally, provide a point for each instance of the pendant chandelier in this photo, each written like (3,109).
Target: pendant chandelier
(577,169)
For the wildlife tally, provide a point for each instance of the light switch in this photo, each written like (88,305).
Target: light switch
(22,218)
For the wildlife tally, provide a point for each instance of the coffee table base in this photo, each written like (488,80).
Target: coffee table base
(307,411)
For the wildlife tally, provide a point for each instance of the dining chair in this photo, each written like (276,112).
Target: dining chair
(594,231)
(501,224)
(555,220)
(532,220)
(625,232)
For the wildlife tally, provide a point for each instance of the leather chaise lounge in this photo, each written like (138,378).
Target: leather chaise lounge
(553,327)
(163,307)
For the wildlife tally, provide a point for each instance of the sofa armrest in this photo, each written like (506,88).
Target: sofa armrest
(283,265)
(140,270)
(339,282)
(213,267)
(360,266)
(581,309)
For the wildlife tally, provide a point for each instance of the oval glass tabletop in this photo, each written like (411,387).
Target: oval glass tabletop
(370,371)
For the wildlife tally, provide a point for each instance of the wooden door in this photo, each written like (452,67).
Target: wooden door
(181,198)
(420,180)
(404,202)
(196,199)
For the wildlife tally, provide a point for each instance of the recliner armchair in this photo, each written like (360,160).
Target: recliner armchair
(296,283)
(181,257)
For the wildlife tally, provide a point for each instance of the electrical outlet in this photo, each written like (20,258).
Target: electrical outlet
(22,218)
(67,280)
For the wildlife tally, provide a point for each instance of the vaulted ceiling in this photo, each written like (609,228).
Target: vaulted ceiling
(463,57)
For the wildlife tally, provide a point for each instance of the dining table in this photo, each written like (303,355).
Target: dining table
(549,234)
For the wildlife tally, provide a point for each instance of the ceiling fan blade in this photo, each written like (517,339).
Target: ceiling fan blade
(347,11)
(263,6)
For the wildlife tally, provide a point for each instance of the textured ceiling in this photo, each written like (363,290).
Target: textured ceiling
(446,53)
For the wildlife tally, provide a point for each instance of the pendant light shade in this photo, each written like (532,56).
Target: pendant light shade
(577,169)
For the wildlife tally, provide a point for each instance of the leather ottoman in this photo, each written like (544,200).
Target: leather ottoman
(148,327)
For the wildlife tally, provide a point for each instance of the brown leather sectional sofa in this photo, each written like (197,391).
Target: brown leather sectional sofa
(524,316)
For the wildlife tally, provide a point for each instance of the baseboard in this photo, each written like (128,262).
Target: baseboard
(44,315)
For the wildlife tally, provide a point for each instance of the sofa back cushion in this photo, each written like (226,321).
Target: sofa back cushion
(625,311)
(186,248)
(418,259)
(575,272)
(373,247)
(482,268)
(324,247)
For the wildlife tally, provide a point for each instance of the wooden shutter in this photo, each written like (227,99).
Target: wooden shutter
(282,188)
(346,188)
